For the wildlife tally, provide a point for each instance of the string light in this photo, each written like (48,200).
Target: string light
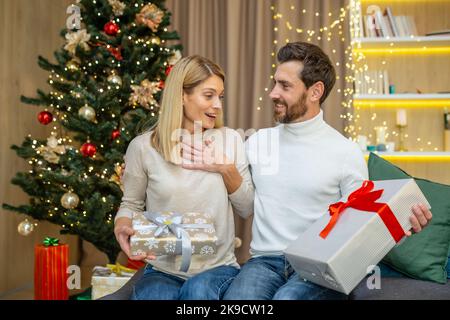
(324,32)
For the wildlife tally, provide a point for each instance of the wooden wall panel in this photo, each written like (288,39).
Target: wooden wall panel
(27,29)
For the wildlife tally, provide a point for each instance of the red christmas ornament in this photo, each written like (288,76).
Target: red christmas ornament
(111,28)
(45,117)
(88,149)
(169,68)
(115,134)
(161,85)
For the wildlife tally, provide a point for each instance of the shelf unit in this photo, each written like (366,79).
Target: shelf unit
(428,45)
(414,64)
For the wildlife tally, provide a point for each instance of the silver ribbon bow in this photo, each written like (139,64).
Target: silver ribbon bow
(173,224)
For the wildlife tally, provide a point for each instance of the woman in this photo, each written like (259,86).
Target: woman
(161,174)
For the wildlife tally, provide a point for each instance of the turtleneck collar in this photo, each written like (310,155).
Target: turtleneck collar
(305,127)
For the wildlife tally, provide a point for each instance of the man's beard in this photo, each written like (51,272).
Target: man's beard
(293,112)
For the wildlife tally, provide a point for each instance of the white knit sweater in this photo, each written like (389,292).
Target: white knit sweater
(298,171)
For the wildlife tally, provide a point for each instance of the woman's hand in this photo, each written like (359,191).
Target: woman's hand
(208,158)
(123,231)
(205,157)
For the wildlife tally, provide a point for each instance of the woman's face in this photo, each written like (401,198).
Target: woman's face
(204,104)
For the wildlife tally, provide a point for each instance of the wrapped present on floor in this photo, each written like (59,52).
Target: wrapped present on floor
(109,279)
(51,260)
(172,233)
(338,252)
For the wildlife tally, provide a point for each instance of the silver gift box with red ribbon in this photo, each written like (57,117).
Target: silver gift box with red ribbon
(342,247)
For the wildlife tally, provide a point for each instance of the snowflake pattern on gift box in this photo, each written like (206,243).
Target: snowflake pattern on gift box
(170,247)
(144,231)
(151,243)
(187,220)
(192,214)
(206,250)
(138,252)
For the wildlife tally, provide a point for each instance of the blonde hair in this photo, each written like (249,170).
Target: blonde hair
(187,74)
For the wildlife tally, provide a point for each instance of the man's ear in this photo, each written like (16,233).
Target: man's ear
(317,90)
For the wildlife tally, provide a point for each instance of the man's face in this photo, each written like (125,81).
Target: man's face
(289,93)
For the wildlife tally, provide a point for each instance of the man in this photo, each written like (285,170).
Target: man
(316,166)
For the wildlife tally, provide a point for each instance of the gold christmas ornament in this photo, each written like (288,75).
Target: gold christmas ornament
(25,227)
(70,200)
(115,79)
(144,94)
(155,40)
(72,65)
(87,113)
(151,16)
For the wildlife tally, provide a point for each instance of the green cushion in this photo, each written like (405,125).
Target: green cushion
(424,255)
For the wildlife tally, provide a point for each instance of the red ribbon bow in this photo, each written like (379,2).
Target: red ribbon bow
(364,199)
(116,52)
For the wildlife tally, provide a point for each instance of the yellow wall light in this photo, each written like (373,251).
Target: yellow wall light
(414,158)
(401,103)
(402,51)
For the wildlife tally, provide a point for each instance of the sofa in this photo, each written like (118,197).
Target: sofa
(392,288)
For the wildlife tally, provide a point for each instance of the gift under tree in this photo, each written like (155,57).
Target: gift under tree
(105,87)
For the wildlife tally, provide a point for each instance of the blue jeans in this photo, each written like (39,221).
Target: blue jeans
(272,277)
(207,285)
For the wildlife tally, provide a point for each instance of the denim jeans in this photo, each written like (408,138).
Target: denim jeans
(207,285)
(272,277)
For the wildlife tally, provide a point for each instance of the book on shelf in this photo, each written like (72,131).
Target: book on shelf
(390,17)
(381,25)
(377,23)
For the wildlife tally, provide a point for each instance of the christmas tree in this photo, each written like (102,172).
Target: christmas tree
(105,88)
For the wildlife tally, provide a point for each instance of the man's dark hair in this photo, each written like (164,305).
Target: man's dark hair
(317,65)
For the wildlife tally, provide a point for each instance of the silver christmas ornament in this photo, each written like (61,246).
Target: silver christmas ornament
(70,200)
(25,227)
(115,79)
(87,113)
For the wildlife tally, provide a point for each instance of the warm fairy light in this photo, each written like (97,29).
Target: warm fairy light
(323,33)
